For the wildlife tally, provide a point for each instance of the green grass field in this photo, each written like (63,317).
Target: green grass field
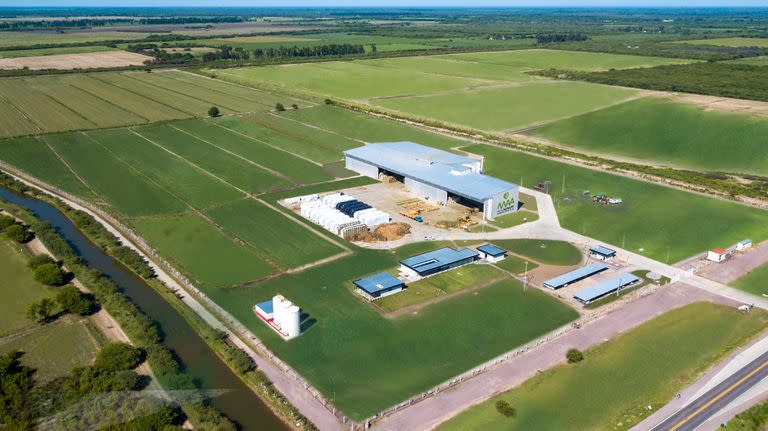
(54,349)
(349,80)
(755,61)
(510,107)
(729,41)
(618,379)
(543,251)
(756,281)
(204,254)
(366,128)
(18,288)
(656,219)
(343,336)
(456,280)
(129,191)
(515,265)
(287,243)
(671,133)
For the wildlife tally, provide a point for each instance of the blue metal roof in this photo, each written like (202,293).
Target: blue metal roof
(431,166)
(492,250)
(266,307)
(437,258)
(603,251)
(575,275)
(606,287)
(378,282)
(745,241)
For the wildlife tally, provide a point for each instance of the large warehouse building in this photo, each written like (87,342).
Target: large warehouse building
(436,175)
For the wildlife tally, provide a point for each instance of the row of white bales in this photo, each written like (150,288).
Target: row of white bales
(323,212)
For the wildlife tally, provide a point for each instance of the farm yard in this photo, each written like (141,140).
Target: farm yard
(668,133)
(343,336)
(450,88)
(646,365)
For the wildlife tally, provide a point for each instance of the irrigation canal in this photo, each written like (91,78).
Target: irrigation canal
(237,402)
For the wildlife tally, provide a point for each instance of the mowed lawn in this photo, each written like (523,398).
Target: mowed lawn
(58,103)
(543,251)
(343,337)
(756,281)
(611,388)
(18,288)
(668,132)
(465,277)
(510,107)
(653,220)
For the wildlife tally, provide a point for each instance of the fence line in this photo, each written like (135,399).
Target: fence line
(251,340)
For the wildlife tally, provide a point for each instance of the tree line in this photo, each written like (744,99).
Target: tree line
(92,22)
(560,37)
(309,51)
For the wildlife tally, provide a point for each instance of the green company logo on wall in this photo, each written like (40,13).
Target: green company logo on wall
(506,202)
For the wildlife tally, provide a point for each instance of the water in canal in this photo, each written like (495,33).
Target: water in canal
(239,403)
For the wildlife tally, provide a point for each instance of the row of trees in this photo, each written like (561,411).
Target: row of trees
(309,51)
(560,37)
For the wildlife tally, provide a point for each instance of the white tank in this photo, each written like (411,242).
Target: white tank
(277,308)
(291,325)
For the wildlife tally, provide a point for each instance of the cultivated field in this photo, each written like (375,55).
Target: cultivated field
(459,88)
(191,187)
(616,380)
(88,60)
(730,41)
(659,222)
(53,51)
(74,102)
(756,281)
(669,133)
(28,38)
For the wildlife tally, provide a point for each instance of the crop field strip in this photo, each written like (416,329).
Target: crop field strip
(669,132)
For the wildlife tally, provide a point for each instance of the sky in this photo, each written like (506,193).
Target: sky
(387,3)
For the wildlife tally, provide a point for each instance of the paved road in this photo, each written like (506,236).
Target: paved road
(694,414)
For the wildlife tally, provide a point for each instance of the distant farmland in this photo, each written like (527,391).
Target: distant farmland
(489,91)
(75,102)
(669,133)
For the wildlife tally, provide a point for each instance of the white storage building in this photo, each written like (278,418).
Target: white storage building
(436,175)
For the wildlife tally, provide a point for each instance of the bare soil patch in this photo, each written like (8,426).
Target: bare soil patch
(88,60)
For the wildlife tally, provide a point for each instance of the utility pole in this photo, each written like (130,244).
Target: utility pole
(525,285)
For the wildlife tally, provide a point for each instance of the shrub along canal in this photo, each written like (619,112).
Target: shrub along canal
(237,401)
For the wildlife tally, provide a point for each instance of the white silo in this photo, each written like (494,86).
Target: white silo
(292,317)
(277,308)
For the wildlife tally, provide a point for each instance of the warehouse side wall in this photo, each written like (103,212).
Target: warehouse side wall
(362,168)
(426,191)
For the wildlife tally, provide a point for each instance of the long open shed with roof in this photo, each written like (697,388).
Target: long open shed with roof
(607,287)
(436,261)
(436,175)
(575,275)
